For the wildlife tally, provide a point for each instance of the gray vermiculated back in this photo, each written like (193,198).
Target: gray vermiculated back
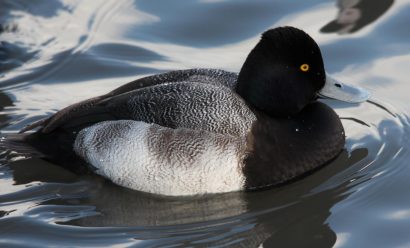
(205,76)
(185,104)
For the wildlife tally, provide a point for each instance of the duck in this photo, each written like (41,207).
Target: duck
(206,131)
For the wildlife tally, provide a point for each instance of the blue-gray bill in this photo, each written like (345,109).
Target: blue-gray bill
(344,92)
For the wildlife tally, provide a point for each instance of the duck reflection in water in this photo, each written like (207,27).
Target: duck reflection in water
(355,14)
(237,218)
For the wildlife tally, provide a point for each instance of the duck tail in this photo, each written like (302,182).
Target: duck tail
(54,147)
(17,143)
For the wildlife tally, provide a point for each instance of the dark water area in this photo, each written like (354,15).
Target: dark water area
(54,53)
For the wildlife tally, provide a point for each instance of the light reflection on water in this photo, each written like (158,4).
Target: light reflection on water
(71,50)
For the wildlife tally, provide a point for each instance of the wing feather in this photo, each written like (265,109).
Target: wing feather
(154,100)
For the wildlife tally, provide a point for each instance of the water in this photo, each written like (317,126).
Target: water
(54,53)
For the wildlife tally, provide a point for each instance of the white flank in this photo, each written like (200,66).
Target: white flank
(159,160)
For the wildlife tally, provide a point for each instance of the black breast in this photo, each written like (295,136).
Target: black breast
(280,150)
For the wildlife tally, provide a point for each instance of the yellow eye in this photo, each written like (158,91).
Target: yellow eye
(304,67)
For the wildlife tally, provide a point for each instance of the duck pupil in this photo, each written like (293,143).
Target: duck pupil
(338,85)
